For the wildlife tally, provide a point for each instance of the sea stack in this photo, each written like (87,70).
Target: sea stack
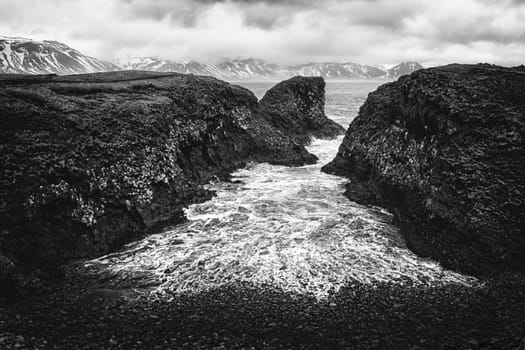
(443,149)
(296,108)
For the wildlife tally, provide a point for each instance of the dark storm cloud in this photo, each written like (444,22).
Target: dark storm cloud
(265,18)
(476,33)
(375,13)
(272,2)
(267,14)
(184,12)
(264,14)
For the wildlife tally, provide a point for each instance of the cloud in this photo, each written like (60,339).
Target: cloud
(496,22)
(295,31)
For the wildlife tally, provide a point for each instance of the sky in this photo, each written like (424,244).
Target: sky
(382,32)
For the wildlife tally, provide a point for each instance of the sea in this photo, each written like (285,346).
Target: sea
(288,228)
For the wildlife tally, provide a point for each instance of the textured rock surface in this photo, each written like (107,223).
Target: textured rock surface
(443,149)
(91,161)
(296,107)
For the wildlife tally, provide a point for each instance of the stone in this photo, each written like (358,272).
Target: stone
(296,108)
(443,149)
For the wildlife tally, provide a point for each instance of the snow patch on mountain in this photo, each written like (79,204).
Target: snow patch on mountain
(255,69)
(22,55)
(403,69)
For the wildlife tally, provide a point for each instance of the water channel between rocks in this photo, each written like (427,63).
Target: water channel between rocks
(288,227)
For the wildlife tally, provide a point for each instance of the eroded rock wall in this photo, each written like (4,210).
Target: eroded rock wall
(89,162)
(443,149)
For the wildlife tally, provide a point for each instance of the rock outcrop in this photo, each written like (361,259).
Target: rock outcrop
(296,108)
(92,161)
(444,150)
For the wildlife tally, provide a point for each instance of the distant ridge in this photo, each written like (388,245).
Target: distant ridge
(258,69)
(403,69)
(27,56)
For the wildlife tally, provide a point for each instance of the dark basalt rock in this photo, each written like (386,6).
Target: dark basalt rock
(444,150)
(92,161)
(296,107)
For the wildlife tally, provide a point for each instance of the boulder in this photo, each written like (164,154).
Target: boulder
(92,161)
(443,149)
(296,108)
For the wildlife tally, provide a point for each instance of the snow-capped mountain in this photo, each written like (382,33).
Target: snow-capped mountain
(403,68)
(249,68)
(339,70)
(239,69)
(157,65)
(230,69)
(21,55)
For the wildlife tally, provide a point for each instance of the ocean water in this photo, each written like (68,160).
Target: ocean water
(287,227)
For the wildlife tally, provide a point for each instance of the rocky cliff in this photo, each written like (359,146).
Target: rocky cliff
(444,150)
(296,108)
(92,161)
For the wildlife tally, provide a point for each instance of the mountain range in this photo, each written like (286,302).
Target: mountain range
(21,55)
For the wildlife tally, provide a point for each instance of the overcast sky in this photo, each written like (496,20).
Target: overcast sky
(296,31)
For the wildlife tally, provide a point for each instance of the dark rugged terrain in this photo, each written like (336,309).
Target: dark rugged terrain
(92,161)
(90,135)
(443,149)
(296,108)
(359,316)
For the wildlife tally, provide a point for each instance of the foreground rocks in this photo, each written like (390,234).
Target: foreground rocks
(443,149)
(296,108)
(92,161)
(359,316)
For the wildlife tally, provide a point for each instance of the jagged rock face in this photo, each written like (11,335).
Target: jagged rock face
(296,107)
(91,161)
(443,149)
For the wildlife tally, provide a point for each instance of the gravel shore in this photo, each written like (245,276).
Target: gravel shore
(81,314)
